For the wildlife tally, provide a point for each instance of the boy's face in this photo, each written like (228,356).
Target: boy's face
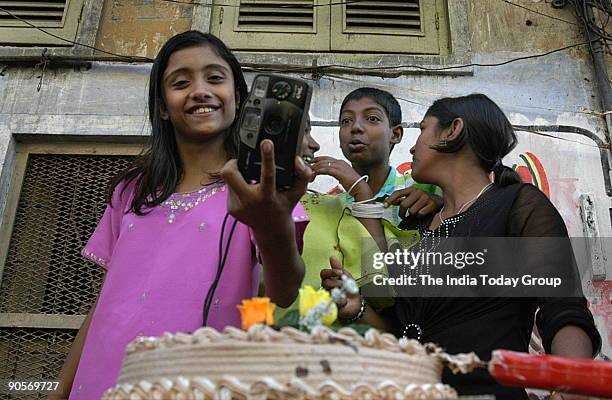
(365,135)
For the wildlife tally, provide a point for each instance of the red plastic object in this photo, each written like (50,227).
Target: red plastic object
(568,375)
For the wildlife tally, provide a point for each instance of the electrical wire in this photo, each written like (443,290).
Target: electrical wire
(324,70)
(522,129)
(316,69)
(539,13)
(399,88)
(590,26)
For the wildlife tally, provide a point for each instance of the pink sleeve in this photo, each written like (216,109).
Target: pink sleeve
(99,248)
(300,219)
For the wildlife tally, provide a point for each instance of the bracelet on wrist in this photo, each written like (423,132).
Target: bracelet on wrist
(364,177)
(357,316)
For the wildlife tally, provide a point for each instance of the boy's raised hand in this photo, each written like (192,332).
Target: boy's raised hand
(415,201)
(344,173)
(260,205)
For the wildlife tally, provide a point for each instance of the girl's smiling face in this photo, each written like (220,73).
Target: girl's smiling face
(199,94)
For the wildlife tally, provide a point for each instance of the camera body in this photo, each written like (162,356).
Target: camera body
(276,109)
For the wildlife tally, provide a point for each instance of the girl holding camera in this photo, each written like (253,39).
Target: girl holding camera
(181,215)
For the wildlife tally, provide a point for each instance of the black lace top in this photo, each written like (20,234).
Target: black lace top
(485,324)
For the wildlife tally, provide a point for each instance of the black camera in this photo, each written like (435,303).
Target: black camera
(276,109)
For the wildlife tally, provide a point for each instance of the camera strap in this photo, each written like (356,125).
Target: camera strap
(221,263)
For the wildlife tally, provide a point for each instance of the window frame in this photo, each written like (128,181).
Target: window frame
(459,49)
(89,15)
(19,33)
(432,39)
(226,17)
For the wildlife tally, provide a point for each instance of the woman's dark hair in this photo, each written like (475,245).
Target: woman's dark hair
(158,170)
(486,130)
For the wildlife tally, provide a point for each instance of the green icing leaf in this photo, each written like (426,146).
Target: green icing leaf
(292,319)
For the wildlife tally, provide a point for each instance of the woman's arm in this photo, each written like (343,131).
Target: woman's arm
(414,202)
(68,371)
(565,323)
(572,341)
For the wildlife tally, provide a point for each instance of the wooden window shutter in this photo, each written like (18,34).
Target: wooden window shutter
(397,26)
(281,25)
(59,17)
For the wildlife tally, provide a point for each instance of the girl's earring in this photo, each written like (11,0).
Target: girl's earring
(443,142)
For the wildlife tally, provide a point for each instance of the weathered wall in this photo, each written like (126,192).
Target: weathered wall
(140,27)
(501,26)
(108,100)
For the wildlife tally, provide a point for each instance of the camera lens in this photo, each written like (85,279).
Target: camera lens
(274,126)
(281,90)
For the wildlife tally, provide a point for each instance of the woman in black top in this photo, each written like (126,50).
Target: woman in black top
(462,140)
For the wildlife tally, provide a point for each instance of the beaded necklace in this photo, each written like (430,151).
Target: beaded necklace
(430,240)
(464,204)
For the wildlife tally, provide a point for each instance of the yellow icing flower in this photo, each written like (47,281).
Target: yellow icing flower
(255,311)
(310,298)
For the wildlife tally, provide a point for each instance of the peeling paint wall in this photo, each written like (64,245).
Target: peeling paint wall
(108,100)
(501,26)
(140,27)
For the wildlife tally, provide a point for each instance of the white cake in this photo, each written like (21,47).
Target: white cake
(264,363)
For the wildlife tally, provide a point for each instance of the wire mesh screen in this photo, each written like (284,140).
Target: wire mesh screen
(32,354)
(61,202)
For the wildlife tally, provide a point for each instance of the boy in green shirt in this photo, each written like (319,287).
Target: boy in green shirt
(370,126)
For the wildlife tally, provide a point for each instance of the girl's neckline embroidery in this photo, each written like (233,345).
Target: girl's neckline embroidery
(181,202)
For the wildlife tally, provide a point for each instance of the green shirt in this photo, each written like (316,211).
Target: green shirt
(333,231)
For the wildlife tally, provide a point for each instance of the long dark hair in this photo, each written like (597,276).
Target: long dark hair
(158,170)
(486,130)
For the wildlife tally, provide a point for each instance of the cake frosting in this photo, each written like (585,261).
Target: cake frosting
(263,363)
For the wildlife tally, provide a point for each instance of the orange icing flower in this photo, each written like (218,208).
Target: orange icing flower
(255,311)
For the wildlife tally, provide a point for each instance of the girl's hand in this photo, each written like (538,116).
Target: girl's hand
(330,278)
(415,201)
(261,205)
(344,173)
